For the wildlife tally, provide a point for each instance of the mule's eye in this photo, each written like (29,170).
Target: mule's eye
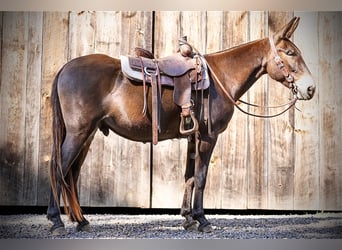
(290,52)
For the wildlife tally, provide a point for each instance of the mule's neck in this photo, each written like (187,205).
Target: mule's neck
(239,67)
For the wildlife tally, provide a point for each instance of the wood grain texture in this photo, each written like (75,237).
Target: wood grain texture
(330,110)
(257,128)
(54,55)
(280,136)
(12,102)
(32,106)
(167,32)
(306,173)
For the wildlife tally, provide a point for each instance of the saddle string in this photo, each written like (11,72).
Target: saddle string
(199,71)
(281,66)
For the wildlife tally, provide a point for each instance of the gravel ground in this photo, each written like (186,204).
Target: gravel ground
(106,226)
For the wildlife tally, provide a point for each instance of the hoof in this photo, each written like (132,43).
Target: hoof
(190,225)
(58,230)
(207,228)
(84,227)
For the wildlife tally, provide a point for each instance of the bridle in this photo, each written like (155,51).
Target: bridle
(289,78)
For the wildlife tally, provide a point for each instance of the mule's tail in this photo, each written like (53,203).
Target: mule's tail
(66,180)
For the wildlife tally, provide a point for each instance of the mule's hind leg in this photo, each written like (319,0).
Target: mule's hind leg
(76,169)
(186,211)
(74,149)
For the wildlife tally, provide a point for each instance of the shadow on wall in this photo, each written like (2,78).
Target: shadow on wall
(20,182)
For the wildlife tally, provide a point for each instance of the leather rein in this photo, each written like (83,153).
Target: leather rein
(289,78)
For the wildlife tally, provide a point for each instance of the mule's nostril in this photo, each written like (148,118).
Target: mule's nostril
(311,90)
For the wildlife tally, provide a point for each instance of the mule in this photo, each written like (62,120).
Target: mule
(91,93)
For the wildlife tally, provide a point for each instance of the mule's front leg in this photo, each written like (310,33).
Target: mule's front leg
(204,149)
(189,224)
(53,214)
(197,211)
(186,211)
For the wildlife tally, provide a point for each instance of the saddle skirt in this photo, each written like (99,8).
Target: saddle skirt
(170,67)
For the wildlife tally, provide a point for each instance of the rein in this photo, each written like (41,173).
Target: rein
(289,78)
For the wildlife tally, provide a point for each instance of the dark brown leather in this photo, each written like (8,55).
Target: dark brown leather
(174,65)
(141,52)
(132,68)
(182,90)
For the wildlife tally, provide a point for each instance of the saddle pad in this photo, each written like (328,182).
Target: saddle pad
(135,75)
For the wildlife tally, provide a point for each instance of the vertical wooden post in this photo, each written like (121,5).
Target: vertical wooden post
(330,110)
(54,55)
(257,129)
(280,137)
(306,127)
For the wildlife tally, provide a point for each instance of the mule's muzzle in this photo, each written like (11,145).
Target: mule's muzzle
(304,93)
(304,88)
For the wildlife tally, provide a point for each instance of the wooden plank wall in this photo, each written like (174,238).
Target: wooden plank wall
(292,162)
(35,46)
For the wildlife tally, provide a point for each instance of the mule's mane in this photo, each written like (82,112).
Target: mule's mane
(248,44)
(235,47)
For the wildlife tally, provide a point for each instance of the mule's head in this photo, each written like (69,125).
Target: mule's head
(286,65)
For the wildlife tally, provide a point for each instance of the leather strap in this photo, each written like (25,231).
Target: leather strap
(154,109)
(144,87)
(289,78)
(156,94)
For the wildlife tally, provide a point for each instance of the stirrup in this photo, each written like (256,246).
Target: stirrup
(189,131)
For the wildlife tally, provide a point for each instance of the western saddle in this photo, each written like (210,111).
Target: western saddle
(184,71)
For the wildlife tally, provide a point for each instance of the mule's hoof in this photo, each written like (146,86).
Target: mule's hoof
(207,228)
(84,227)
(58,231)
(190,225)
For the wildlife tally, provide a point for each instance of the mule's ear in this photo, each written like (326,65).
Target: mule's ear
(288,29)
